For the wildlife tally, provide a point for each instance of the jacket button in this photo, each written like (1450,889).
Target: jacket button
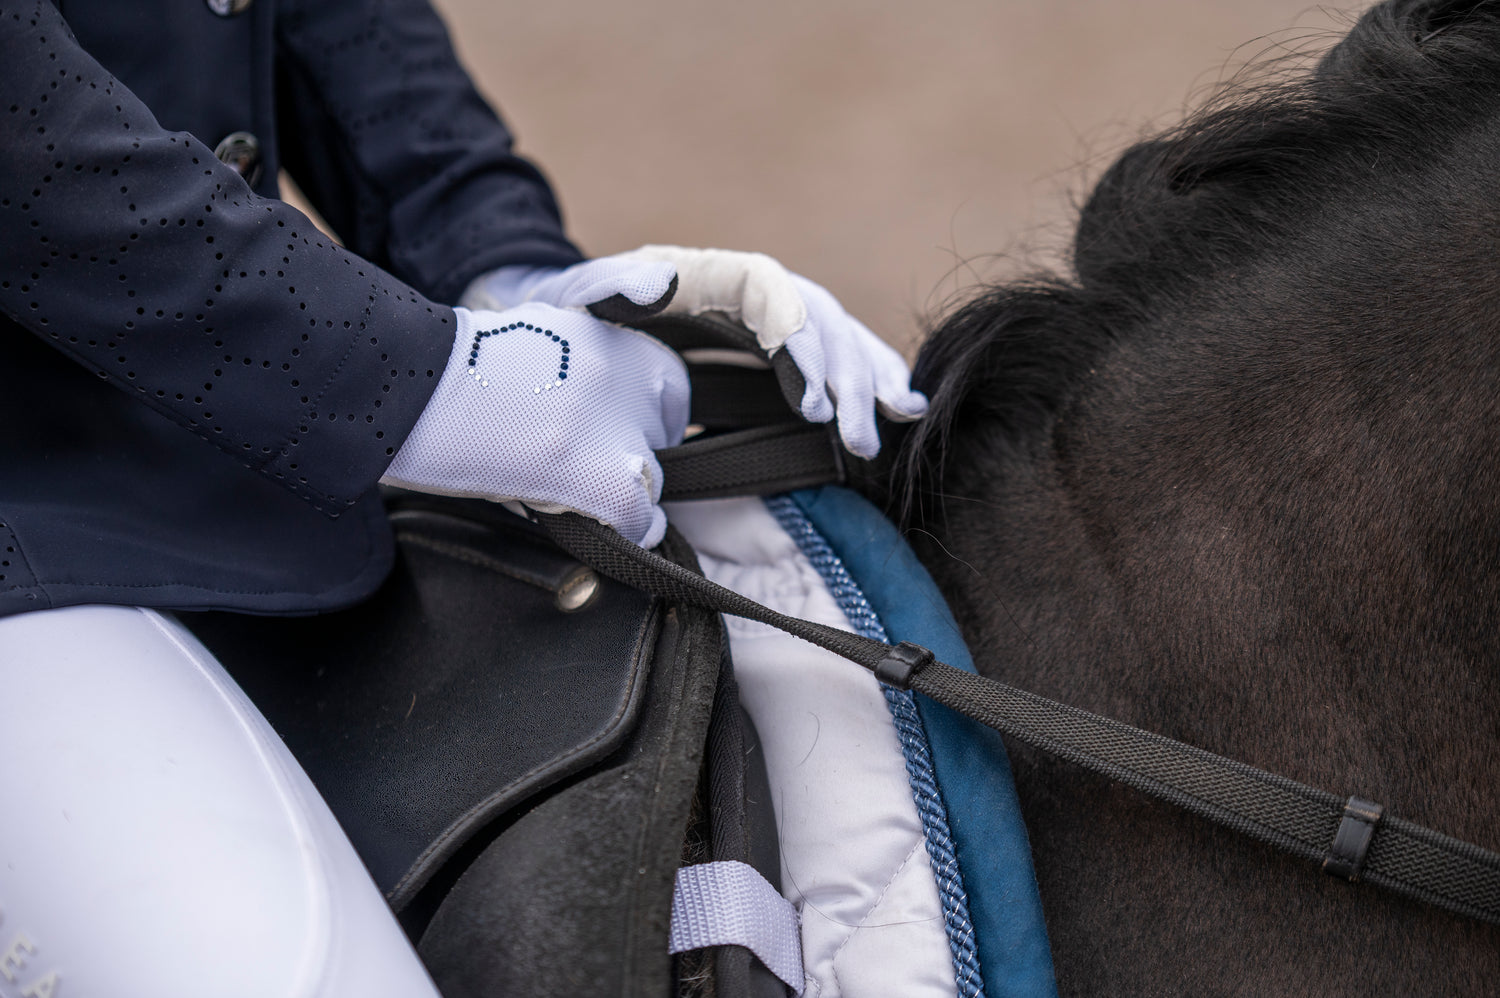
(229,8)
(241,151)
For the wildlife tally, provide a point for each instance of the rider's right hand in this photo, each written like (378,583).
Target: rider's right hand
(553,408)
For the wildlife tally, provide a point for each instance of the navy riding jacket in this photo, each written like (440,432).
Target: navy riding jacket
(199,390)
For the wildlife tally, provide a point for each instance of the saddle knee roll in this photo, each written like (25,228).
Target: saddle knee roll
(159,839)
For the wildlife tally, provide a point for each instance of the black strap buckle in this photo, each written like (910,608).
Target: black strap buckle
(1351,843)
(902,663)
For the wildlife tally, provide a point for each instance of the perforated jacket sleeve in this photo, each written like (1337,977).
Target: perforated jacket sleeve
(386,134)
(134,251)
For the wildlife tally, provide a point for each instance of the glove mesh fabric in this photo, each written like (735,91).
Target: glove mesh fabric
(553,408)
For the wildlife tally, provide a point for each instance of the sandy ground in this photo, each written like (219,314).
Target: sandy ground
(889,149)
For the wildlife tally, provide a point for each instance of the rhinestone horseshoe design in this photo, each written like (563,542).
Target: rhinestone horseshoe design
(562,363)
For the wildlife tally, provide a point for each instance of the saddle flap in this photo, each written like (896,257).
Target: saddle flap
(470,682)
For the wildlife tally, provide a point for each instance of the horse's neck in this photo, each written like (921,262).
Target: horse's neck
(1303,572)
(1296,596)
(1267,524)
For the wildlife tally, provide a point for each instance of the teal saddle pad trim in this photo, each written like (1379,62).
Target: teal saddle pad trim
(915,748)
(972,768)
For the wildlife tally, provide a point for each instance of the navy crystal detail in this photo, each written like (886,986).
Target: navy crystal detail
(562,363)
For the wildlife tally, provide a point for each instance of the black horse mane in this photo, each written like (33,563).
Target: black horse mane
(1189,206)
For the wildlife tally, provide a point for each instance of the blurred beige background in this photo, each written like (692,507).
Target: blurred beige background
(889,149)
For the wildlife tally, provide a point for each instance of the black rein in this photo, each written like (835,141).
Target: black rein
(1351,838)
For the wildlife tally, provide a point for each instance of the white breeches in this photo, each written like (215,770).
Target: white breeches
(158,839)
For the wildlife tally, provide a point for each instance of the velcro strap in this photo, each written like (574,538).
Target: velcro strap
(729,904)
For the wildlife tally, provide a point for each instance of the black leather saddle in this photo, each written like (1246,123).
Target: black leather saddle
(516,746)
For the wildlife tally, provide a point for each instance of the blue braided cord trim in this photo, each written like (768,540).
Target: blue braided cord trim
(914,746)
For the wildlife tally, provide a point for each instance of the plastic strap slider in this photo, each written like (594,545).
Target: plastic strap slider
(1351,843)
(902,663)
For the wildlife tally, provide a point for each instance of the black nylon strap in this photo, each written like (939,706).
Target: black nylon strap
(758,462)
(1402,857)
(726,397)
(715,329)
(779,453)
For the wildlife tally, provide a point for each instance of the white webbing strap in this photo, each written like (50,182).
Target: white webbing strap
(729,904)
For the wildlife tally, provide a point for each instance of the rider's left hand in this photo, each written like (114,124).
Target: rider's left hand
(848,371)
(613,288)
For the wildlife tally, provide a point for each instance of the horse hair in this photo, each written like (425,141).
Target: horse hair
(1234,479)
(1185,207)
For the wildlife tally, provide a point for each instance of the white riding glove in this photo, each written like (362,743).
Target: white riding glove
(847,370)
(612,287)
(553,408)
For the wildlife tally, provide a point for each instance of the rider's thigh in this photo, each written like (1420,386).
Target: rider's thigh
(158,838)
